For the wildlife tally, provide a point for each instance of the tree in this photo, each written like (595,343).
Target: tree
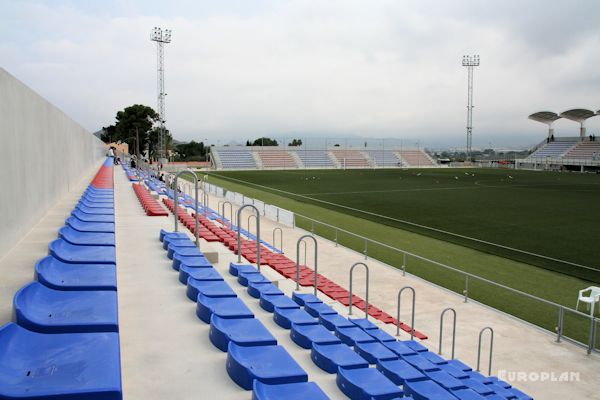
(108,133)
(133,126)
(295,142)
(152,141)
(265,141)
(192,151)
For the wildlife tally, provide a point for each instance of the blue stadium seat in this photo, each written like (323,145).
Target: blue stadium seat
(241,331)
(399,348)
(285,317)
(302,298)
(445,380)
(59,275)
(208,288)
(374,352)
(41,309)
(353,335)
(190,261)
(224,307)
(434,358)
(363,323)
(163,234)
(520,395)
(257,289)
(92,210)
(426,390)
(318,309)
(199,274)
(468,394)
(92,217)
(267,364)
(366,384)
(180,241)
(420,363)
(269,301)
(334,321)
(66,366)
(305,335)
(460,365)
(477,386)
(399,371)
(455,372)
(70,253)
(183,251)
(86,238)
(330,357)
(380,335)
(235,269)
(288,391)
(416,346)
(244,278)
(90,226)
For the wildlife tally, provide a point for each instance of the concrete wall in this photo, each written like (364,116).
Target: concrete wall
(45,154)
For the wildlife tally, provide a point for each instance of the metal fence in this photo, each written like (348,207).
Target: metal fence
(570,324)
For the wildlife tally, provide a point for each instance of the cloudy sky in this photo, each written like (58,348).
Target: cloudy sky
(237,69)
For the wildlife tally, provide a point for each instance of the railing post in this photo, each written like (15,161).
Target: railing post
(466,290)
(487,328)
(280,238)
(592,339)
(453,330)
(412,319)
(366,291)
(239,237)
(316,279)
(176,203)
(559,328)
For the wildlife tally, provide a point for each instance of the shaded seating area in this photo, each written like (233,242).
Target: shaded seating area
(64,341)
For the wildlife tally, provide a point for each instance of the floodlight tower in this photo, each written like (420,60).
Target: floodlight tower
(161,37)
(470,62)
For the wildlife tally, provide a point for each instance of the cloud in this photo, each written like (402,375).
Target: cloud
(379,68)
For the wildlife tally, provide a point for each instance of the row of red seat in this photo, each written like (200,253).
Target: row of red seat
(150,205)
(104,177)
(282,264)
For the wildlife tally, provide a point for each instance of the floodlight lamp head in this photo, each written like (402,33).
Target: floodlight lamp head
(167,36)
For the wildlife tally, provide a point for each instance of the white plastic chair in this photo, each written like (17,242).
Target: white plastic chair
(592,298)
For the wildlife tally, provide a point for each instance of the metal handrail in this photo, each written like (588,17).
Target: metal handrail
(366,291)
(248,220)
(239,237)
(176,202)
(412,318)
(230,211)
(301,240)
(453,329)
(280,238)
(304,244)
(487,328)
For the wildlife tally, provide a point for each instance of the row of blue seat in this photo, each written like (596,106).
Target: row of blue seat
(64,341)
(255,361)
(349,346)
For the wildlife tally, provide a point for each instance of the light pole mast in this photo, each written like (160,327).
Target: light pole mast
(161,37)
(470,62)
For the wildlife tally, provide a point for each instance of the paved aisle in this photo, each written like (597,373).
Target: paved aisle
(165,350)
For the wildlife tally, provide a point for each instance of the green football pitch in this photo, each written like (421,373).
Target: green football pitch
(533,231)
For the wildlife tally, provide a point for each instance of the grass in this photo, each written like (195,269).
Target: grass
(544,213)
